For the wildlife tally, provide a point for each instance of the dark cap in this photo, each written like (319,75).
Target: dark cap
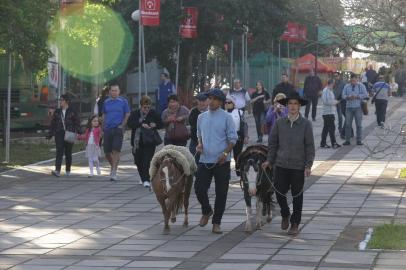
(296,96)
(217,93)
(201,96)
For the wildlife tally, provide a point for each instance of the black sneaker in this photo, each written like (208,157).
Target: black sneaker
(336,145)
(346,143)
(360,143)
(325,146)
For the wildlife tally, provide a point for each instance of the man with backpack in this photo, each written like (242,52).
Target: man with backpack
(240,95)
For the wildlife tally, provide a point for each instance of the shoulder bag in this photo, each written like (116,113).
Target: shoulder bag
(376,94)
(150,137)
(70,136)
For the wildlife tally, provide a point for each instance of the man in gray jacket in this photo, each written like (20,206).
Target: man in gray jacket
(291,154)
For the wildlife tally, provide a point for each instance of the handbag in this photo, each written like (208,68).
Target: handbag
(70,136)
(150,137)
(364,107)
(177,132)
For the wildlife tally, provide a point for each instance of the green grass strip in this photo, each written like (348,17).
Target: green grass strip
(388,236)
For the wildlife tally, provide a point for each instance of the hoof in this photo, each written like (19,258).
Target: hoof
(173,219)
(258,227)
(269,219)
(185,224)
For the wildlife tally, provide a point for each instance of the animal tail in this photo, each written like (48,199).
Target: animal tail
(178,203)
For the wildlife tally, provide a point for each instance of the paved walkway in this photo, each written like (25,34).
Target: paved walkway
(80,223)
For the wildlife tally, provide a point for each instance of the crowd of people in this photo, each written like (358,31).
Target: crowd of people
(219,130)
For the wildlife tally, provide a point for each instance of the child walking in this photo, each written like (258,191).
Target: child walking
(92,137)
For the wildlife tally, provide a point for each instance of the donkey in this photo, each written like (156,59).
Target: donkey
(172,183)
(256,182)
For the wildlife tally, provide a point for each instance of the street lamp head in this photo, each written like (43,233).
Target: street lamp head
(135,16)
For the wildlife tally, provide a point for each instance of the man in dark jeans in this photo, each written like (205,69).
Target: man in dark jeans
(291,153)
(338,90)
(311,90)
(217,136)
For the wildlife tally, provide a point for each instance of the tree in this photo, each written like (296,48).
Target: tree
(375,27)
(24,30)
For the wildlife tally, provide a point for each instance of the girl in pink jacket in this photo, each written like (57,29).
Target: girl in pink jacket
(92,137)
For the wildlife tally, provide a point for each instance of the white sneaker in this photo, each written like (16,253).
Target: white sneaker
(67,173)
(147,184)
(113,177)
(98,172)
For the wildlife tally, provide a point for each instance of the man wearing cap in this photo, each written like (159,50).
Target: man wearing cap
(165,89)
(291,154)
(202,104)
(216,137)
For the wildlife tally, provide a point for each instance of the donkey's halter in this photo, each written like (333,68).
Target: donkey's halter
(163,180)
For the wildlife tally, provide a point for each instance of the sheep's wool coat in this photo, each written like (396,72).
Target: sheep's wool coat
(180,153)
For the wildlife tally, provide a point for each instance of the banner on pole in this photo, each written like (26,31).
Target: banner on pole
(150,12)
(69,7)
(53,74)
(294,32)
(188,28)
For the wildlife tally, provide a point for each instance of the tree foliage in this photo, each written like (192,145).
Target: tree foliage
(376,26)
(24,30)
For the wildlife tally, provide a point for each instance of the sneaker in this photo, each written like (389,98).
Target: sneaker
(90,176)
(294,229)
(67,173)
(56,173)
(216,229)
(285,223)
(346,143)
(205,219)
(360,143)
(147,184)
(113,178)
(314,119)
(141,183)
(324,146)
(336,145)
(259,140)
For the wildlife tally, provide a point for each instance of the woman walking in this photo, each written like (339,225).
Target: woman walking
(382,92)
(259,100)
(240,126)
(329,109)
(175,118)
(144,124)
(64,120)
(92,137)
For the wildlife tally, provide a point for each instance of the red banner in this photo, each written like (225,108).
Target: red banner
(150,11)
(294,32)
(188,29)
(70,7)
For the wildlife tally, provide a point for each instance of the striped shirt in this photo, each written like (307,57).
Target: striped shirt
(359,91)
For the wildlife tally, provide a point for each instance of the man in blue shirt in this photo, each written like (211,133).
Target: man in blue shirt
(217,136)
(354,93)
(115,115)
(165,89)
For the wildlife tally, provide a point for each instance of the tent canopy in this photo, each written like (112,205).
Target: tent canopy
(307,63)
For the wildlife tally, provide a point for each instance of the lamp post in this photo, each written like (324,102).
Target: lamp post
(136,16)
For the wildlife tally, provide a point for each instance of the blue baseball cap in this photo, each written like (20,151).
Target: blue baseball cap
(217,93)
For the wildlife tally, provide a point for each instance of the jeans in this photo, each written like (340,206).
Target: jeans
(328,128)
(62,148)
(237,149)
(380,108)
(286,179)
(142,158)
(204,175)
(313,102)
(192,149)
(340,118)
(259,120)
(352,113)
